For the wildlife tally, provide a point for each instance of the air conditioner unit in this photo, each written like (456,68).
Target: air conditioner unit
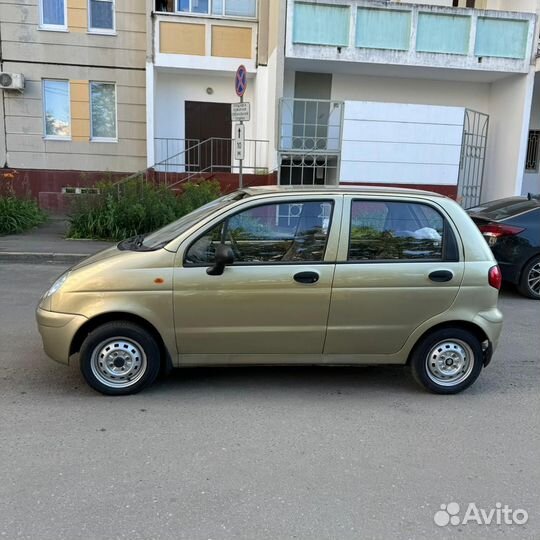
(12,81)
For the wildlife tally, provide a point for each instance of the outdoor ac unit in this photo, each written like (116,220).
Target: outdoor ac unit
(12,81)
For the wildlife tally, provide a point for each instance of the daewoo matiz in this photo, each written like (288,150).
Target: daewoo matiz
(285,276)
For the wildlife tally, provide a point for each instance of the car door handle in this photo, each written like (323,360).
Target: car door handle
(440,276)
(306,277)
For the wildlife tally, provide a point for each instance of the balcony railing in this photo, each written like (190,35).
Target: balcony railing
(310,126)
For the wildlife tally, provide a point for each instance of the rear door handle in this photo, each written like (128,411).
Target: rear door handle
(440,276)
(306,277)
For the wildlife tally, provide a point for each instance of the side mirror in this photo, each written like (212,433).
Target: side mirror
(224,257)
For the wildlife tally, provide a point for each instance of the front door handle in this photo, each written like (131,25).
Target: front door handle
(306,277)
(440,276)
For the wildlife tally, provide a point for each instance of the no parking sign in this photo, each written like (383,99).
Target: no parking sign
(240,81)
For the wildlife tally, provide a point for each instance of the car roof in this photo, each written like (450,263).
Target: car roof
(351,190)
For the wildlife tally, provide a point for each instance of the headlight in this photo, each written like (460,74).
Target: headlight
(57,285)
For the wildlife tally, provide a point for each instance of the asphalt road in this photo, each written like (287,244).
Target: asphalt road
(310,453)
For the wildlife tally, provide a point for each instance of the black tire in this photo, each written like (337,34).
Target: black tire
(134,347)
(524,286)
(466,352)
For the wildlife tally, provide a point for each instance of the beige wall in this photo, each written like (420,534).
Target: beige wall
(79,56)
(26,146)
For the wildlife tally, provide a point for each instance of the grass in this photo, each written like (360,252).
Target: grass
(18,215)
(134,207)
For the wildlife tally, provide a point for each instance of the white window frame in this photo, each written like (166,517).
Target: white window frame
(194,13)
(55,137)
(103,139)
(211,13)
(53,27)
(103,31)
(223,14)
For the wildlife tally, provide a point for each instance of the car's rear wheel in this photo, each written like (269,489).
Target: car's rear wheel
(447,361)
(119,358)
(529,284)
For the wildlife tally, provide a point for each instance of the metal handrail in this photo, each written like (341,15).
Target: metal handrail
(216,150)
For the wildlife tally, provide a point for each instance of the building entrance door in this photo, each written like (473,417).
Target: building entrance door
(209,123)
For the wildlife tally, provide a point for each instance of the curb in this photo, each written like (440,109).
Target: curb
(41,258)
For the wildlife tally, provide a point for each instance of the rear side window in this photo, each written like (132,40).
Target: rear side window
(395,231)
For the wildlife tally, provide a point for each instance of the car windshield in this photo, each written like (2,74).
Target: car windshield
(504,208)
(163,236)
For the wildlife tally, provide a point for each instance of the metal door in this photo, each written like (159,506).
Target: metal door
(473,158)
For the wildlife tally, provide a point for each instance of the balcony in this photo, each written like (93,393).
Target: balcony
(361,31)
(214,41)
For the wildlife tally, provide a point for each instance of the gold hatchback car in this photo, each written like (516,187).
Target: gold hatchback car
(281,276)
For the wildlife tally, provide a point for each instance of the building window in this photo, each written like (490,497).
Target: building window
(193,6)
(56,109)
(235,8)
(101,16)
(227,8)
(531,164)
(53,14)
(103,111)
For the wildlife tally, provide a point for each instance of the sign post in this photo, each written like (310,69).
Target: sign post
(240,112)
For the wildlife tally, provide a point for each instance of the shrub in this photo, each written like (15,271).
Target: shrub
(134,207)
(18,215)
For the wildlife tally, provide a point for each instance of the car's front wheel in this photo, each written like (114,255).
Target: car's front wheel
(447,361)
(119,358)
(529,284)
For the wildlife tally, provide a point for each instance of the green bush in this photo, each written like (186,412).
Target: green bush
(134,207)
(18,215)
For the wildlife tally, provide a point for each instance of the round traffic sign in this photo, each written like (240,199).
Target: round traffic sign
(240,80)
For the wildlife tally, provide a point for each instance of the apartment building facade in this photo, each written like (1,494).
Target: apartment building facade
(437,94)
(82,111)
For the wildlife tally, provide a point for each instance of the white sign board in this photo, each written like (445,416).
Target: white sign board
(240,112)
(239,141)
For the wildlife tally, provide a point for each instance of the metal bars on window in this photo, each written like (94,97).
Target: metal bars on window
(531,162)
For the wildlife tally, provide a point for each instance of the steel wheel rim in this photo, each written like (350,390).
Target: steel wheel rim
(450,362)
(118,362)
(533,279)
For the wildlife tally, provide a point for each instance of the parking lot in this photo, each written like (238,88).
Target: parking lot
(273,453)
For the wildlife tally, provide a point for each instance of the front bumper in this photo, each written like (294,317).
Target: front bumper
(57,331)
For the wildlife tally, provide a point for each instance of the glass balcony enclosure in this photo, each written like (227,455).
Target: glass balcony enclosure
(219,8)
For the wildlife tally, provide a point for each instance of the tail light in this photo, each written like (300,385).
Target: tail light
(493,231)
(495,277)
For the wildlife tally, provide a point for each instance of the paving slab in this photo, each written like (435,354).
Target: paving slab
(47,244)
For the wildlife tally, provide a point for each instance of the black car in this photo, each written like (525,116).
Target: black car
(512,229)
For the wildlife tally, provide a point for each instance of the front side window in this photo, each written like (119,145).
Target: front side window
(56,109)
(103,110)
(270,233)
(395,231)
(101,15)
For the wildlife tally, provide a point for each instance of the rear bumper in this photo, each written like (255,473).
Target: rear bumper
(491,322)
(57,331)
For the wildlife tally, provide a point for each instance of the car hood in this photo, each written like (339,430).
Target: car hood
(100,256)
